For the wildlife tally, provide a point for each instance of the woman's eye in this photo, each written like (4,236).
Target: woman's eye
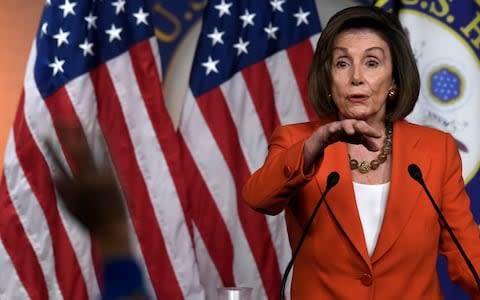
(341,64)
(372,63)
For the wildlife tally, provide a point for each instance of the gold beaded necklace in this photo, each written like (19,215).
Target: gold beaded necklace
(366,166)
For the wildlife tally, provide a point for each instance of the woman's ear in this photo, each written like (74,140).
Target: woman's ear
(392,92)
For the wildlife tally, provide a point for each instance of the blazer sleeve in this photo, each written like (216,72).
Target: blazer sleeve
(455,206)
(272,186)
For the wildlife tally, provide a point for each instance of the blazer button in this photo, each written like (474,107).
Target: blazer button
(366,279)
(287,171)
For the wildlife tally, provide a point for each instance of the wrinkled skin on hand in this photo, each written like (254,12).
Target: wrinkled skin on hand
(349,131)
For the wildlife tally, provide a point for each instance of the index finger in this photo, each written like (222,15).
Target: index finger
(367,130)
(77,150)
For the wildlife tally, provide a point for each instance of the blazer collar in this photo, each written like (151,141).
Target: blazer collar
(341,198)
(404,191)
(403,194)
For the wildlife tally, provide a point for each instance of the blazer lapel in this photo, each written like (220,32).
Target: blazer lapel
(404,191)
(341,199)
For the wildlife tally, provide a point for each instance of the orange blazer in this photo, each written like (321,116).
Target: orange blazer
(333,262)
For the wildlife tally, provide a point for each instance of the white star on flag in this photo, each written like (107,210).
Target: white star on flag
(86,47)
(277,5)
(119,6)
(210,65)
(91,20)
(270,30)
(57,66)
(223,8)
(67,8)
(216,36)
(301,16)
(241,46)
(247,18)
(113,33)
(61,37)
(44,28)
(141,16)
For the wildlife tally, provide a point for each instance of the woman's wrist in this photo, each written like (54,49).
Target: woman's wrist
(113,240)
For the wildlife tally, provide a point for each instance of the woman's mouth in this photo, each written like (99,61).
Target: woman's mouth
(357,97)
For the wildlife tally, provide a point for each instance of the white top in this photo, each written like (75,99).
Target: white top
(371,202)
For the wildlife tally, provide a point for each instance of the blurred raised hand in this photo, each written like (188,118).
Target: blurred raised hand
(91,194)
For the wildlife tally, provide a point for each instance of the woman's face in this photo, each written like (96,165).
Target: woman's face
(361,75)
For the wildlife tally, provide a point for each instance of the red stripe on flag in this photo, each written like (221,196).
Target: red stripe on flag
(37,173)
(206,216)
(14,238)
(115,130)
(300,56)
(149,82)
(215,111)
(63,114)
(260,87)
(18,246)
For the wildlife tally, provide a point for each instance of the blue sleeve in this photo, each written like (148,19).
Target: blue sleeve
(122,279)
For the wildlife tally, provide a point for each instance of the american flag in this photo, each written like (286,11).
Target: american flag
(96,65)
(248,76)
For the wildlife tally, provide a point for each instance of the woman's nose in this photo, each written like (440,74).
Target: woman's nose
(357,76)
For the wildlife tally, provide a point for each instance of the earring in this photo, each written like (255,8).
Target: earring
(392,93)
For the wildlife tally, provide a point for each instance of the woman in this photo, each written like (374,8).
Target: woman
(377,236)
